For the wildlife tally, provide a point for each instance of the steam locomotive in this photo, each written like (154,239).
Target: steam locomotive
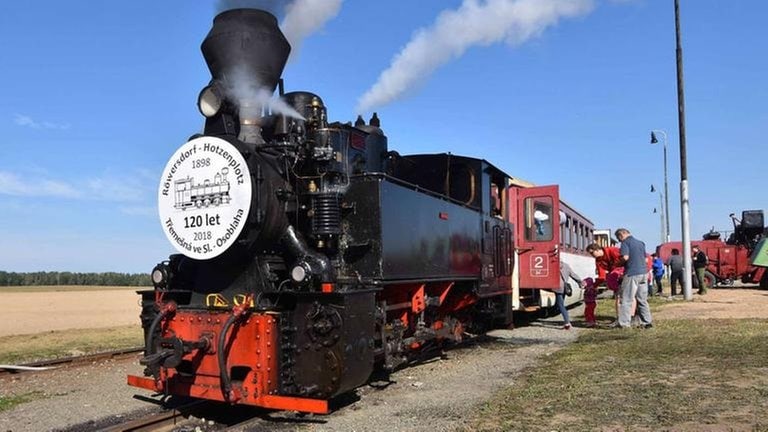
(331,256)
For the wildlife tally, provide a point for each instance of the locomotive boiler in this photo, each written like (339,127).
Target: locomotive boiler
(310,254)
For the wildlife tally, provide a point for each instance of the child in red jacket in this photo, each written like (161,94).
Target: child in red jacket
(609,267)
(590,302)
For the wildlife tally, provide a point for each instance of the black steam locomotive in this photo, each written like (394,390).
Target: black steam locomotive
(347,258)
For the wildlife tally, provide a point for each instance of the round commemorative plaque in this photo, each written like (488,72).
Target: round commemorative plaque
(204,197)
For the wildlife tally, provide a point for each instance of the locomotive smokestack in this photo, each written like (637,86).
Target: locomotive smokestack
(246,51)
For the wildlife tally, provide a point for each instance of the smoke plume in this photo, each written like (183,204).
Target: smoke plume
(299,18)
(304,17)
(475,22)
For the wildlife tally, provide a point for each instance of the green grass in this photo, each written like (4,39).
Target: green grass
(55,344)
(679,374)
(8,402)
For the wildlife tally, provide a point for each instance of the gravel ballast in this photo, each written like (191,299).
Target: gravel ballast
(438,394)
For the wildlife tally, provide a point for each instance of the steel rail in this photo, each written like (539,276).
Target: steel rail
(156,421)
(66,361)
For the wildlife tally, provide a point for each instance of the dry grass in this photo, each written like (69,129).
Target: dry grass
(681,375)
(106,306)
(55,344)
(67,288)
(34,312)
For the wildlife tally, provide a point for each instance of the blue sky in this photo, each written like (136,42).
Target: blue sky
(98,95)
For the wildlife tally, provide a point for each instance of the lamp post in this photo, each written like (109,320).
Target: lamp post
(664,232)
(666,185)
(684,204)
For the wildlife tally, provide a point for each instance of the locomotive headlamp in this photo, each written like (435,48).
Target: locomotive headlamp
(210,100)
(299,273)
(161,274)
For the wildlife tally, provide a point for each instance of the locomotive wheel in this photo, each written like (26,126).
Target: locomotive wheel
(216,201)
(207,202)
(198,203)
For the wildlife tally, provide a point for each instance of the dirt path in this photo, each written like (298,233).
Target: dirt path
(70,396)
(737,302)
(36,312)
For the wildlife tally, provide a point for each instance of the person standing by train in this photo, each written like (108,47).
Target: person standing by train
(609,268)
(609,265)
(566,273)
(634,285)
(675,263)
(700,261)
(649,265)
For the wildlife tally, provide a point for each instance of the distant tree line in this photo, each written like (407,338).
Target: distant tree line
(70,278)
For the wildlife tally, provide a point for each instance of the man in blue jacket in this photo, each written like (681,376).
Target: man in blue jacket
(658,272)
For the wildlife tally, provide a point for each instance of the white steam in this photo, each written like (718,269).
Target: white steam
(252,97)
(304,17)
(475,22)
(299,18)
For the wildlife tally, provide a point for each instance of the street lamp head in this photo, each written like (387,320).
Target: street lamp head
(653,138)
(653,189)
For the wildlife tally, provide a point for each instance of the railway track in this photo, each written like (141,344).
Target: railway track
(159,421)
(67,361)
(203,415)
(184,417)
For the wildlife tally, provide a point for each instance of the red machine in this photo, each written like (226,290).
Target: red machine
(729,260)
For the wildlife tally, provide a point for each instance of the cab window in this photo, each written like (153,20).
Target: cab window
(538,219)
(496,201)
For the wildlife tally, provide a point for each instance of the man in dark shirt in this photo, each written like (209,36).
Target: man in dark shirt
(700,261)
(634,287)
(675,263)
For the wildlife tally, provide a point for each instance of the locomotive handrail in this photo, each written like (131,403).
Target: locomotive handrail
(378,283)
(427,280)
(416,188)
